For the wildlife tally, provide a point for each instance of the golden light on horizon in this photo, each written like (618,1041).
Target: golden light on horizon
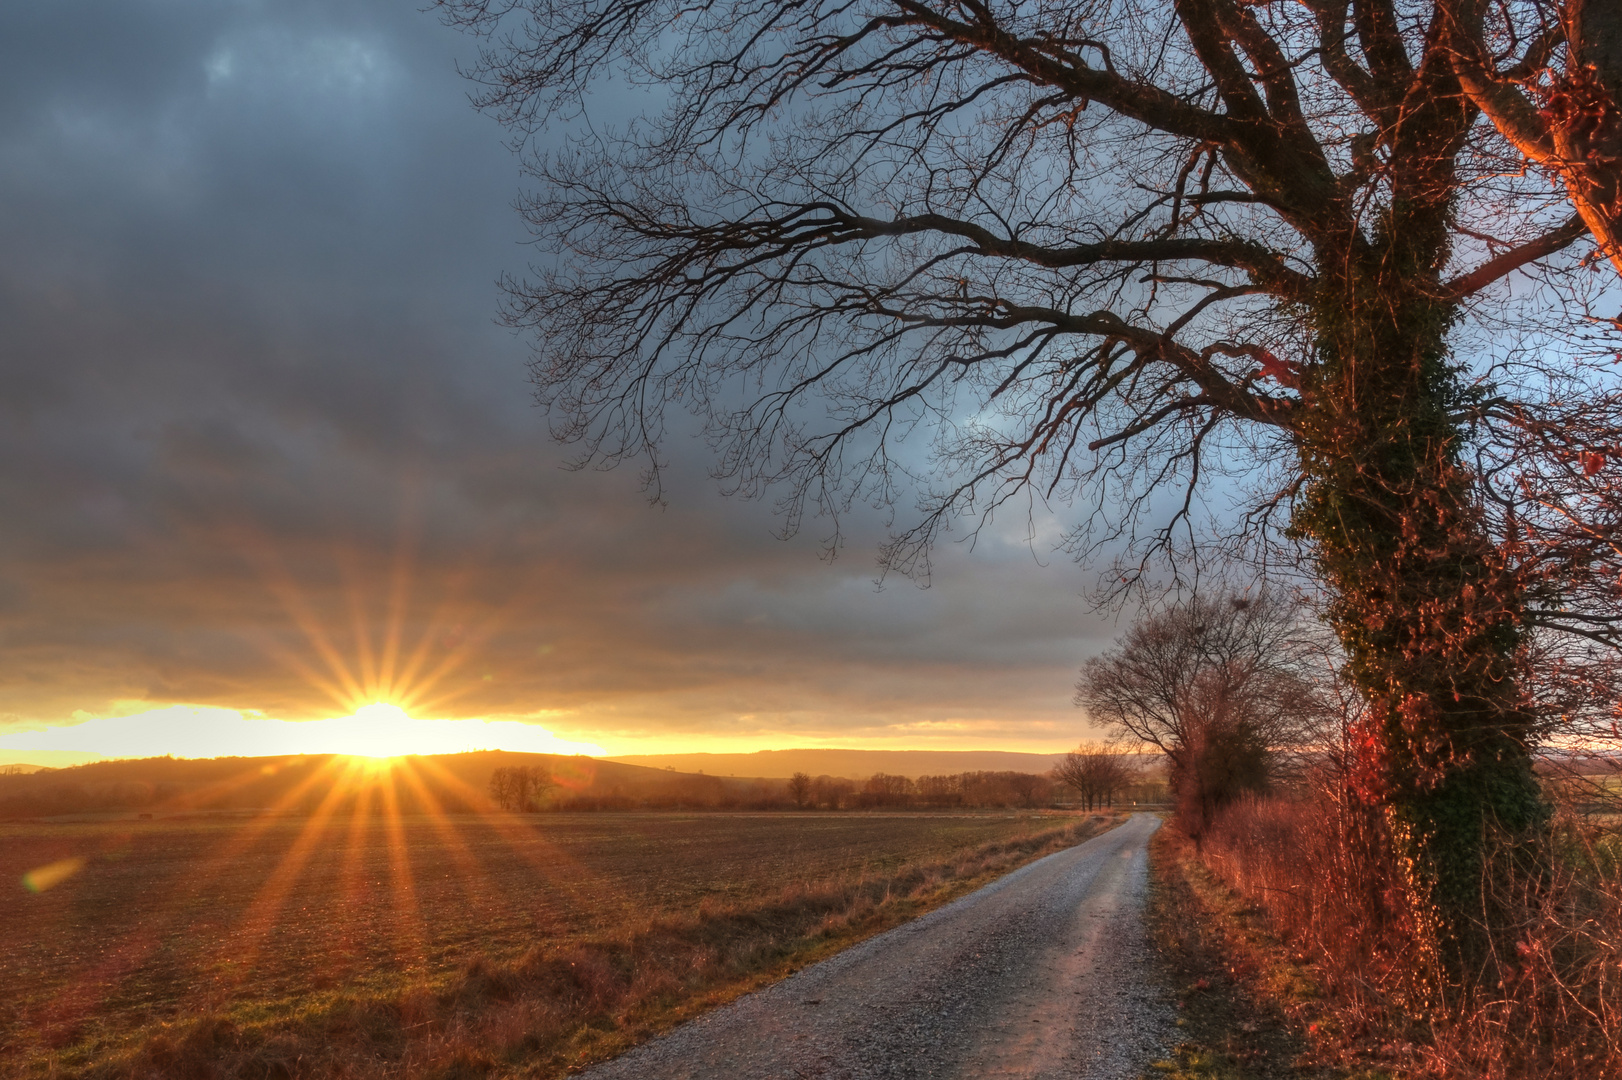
(376,763)
(378,730)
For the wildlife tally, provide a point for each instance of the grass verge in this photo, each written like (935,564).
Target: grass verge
(1248,1008)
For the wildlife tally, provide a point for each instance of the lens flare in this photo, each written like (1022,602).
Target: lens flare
(51,875)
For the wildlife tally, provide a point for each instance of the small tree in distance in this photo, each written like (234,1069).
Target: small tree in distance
(799,788)
(1096,775)
(1219,688)
(520,787)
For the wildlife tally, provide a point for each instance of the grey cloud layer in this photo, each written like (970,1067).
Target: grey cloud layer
(252,402)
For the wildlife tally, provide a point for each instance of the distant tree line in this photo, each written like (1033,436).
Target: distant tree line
(885,790)
(294,786)
(165,785)
(1077,779)
(984,790)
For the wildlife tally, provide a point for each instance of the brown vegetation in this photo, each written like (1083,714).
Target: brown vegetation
(1244,1004)
(443,946)
(1548,1000)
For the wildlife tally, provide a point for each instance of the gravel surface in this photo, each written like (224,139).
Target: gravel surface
(1044,974)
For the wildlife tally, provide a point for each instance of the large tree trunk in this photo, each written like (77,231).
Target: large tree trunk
(1430,617)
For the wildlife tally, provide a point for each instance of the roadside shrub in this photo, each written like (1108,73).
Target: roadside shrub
(1320,868)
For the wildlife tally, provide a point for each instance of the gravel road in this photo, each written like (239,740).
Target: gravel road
(1043,974)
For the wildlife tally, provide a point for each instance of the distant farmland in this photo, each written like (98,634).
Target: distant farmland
(367,941)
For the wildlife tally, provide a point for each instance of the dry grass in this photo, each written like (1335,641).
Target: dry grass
(1546,1006)
(446,947)
(1249,1006)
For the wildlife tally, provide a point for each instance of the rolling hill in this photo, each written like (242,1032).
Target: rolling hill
(307,783)
(852,764)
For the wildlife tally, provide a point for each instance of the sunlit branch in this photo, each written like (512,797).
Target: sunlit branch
(1506,263)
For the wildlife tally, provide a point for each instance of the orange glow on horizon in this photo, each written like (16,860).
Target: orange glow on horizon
(385,729)
(379,730)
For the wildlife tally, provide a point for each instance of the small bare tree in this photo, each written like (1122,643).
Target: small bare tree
(1096,775)
(501,789)
(799,789)
(520,787)
(1220,688)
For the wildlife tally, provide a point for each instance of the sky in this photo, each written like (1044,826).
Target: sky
(266,458)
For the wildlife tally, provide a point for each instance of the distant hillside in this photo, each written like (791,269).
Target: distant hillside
(447,782)
(855,764)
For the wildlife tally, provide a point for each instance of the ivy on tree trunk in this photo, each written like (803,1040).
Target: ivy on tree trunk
(1431,618)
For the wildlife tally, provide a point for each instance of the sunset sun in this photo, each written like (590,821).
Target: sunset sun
(379,730)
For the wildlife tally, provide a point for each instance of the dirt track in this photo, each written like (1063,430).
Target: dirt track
(1042,974)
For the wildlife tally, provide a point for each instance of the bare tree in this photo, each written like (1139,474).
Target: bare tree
(1029,788)
(1102,249)
(1096,775)
(832,791)
(883,789)
(1222,688)
(799,788)
(501,789)
(520,787)
(1075,772)
(1549,76)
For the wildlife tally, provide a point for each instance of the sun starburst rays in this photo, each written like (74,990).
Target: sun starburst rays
(349,833)
(378,641)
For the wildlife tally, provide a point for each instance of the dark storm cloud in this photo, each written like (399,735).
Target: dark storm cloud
(255,418)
